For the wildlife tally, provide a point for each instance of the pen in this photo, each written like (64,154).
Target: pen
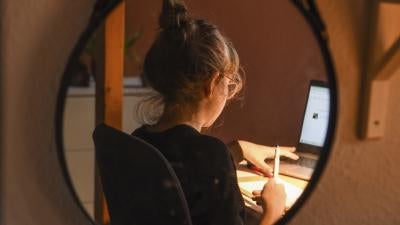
(276,161)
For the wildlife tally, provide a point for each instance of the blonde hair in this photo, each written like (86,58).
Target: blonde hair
(185,55)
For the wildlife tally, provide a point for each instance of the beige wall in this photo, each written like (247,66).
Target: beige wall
(361,181)
(37,36)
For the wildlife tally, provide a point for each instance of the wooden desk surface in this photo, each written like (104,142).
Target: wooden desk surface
(245,175)
(295,181)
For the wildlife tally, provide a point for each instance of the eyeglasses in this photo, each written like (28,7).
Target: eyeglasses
(233,85)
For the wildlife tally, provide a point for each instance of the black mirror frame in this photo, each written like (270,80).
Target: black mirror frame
(309,11)
(100,11)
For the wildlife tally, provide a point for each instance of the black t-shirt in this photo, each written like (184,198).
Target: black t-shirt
(206,172)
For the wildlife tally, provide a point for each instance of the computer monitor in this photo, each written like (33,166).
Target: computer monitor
(316,118)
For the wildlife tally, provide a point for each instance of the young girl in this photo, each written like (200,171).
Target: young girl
(195,69)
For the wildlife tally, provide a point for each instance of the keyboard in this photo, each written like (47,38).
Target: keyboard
(306,162)
(302,168)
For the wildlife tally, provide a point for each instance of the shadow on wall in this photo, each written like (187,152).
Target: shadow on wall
(278,52)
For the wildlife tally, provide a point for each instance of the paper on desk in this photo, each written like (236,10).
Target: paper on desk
(292,192)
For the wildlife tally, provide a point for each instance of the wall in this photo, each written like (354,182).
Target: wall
(37,37)
(361,181)
(2,94)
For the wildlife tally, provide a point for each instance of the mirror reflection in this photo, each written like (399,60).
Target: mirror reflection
(236,102)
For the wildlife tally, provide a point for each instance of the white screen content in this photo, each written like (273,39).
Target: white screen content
(316,118)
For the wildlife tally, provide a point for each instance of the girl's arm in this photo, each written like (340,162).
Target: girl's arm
(256,154)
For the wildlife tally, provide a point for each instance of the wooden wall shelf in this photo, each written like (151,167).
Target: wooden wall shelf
(379,74)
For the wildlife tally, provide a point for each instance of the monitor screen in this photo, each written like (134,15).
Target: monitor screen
(316,117)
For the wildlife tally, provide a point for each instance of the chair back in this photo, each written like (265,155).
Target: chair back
(139,184)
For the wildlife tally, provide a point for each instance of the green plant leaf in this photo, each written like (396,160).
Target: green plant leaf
(129,43)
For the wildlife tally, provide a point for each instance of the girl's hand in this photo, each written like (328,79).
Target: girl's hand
(256,154)
(272,198)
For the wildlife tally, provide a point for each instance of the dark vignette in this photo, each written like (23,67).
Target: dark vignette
(2,120)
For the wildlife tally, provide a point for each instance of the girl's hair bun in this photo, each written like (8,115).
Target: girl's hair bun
(186,54)
(174,15)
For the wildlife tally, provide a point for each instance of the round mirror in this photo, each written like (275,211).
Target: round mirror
(285,111)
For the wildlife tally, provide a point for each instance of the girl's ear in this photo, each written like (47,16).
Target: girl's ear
(210,85)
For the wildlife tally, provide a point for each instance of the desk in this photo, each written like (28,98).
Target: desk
(245,175)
